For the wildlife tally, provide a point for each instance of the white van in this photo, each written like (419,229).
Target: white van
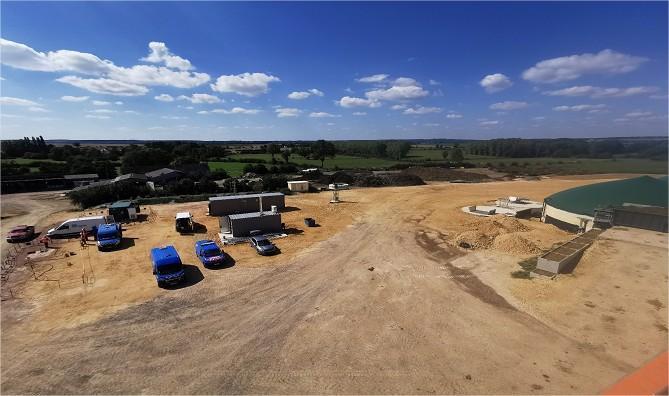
(72,227)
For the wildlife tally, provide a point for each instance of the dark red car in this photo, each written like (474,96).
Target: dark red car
(21,233)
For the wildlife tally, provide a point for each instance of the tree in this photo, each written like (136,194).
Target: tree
(456,155)
(273,149)
(321,149)
(285,154)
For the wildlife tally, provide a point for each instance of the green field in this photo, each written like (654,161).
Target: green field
(234,169)
(28,162)
(340,161)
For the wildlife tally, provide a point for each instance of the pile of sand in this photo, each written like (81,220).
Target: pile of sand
(500,232)
(474,240)
(515,243)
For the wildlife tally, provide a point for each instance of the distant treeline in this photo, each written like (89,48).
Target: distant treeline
(565,148)
(374,148)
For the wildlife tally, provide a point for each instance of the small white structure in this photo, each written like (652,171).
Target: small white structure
(298,186)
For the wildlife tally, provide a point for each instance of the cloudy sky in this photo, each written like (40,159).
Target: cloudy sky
(272,71)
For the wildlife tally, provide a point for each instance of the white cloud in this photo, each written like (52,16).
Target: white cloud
(434,82)
(101,103)
(236,110)
(283,112)
(174,118)
(419,110)
(10,101)
(489,123)
(105,86)
(38,109)
(118,103)
(68,98)
(348,101)
(405,81)
(299,95)
(568,68)
(639,114)
(247,84)
(454,115)
(585,107)
(322,114)
(540,118)
(102,111)
(598,92)
(398,107)
(112,79)
(398,92)
(131,112)
(359,113)
(495,82)
(164,98)
(97,117)
(200,98)
(508,105)
(159,53)
(376,78)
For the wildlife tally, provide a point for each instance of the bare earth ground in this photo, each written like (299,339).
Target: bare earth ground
(376,300)
(29,209)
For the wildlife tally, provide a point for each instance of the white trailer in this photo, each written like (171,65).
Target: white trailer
(72,227)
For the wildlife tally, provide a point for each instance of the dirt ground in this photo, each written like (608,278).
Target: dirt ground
(376,300)
(29,209)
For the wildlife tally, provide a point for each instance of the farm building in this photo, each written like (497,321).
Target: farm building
(298,186)
(574,209)
(164,176)
(82,180)
(241,225)
(244,203)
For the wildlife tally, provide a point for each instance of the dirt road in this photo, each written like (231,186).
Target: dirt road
(378,307)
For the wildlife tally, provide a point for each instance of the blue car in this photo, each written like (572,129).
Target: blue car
(167,266)
(209,253)
(109,236)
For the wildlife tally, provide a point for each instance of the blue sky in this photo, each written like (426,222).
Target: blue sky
(279,71)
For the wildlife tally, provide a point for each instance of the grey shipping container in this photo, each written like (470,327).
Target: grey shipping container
(240,225)
(245,203)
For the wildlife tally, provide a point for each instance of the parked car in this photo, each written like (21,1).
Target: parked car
(263,246)
(338,186)
(21,233)
(109,236)
(167,266)
(209,253)
(184,222)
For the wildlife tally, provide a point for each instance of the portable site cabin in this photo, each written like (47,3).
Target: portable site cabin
(124,210)
(241,225)
(244,203)
(298,186)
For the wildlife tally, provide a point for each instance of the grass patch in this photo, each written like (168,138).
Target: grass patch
(571,166)
(338,162)
(234,169)
(528,265)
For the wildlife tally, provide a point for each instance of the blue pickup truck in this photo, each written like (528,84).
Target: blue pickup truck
(167,266)
(109,236)
(209,253)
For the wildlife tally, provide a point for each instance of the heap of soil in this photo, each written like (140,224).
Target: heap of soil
(515,243)
(445,174)
(501,233)
(397,179)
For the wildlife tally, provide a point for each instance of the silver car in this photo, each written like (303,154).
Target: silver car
(263,246)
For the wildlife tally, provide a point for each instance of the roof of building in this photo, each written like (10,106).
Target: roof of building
(298,182)
(243,196)
(644,190)
(251,215)
(84,176)
(92,185)
(130,176)
(126,203)
(161,172)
